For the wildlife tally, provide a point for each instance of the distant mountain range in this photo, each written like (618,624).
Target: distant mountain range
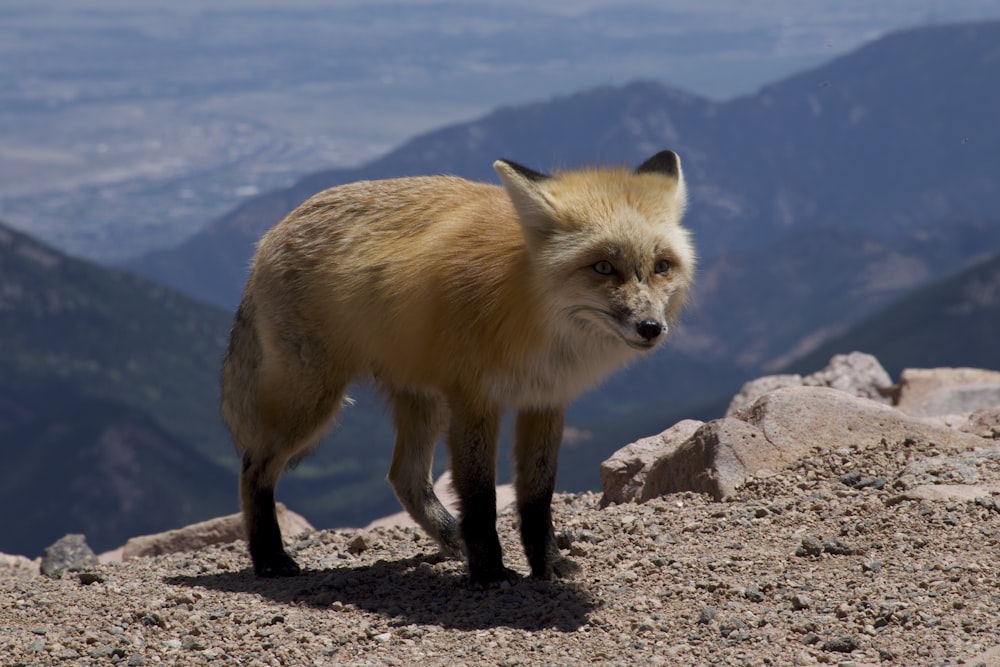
(952,322)
(108,422)
(899,134)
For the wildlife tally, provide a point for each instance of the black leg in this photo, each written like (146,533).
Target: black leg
(536,453)
(260,519)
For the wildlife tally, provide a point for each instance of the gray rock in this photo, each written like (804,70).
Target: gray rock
(623,474)
(706,616)
(811,546)
(68,554)
(841,644)
(930,392)
(858,374)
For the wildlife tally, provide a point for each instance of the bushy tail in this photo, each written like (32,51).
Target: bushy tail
(240,370)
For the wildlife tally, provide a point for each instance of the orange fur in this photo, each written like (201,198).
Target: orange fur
(458,298)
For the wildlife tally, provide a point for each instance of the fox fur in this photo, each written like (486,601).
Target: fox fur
(461,300)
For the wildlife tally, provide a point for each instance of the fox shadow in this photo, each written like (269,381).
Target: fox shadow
(410,591)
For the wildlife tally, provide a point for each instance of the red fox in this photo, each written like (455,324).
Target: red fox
(461,300)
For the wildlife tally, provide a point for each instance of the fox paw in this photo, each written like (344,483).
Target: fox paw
(482,578)
(557,567)
(276,565)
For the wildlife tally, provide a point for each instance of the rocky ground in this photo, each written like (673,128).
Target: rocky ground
(830,561)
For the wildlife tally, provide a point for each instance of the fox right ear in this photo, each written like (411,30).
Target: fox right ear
(664,162)
(526,188)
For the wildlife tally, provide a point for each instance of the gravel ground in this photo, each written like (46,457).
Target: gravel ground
(821,563)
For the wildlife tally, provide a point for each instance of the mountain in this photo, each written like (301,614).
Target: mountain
(898,134)
(952,322)
(112,335)
(763,307)
(81,464)
(108,424)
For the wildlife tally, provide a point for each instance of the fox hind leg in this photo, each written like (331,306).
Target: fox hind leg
(290,414)
(258,478)
(420,420)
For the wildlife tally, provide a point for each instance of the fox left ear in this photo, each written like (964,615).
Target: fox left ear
(664,162)
(525,187)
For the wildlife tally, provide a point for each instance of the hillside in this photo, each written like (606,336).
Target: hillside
(953,322)
(111,335)
(80,464)
(896,135)
(108,422)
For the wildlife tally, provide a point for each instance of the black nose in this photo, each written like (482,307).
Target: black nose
(649,329)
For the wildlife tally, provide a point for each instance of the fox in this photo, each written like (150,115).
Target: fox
(462,300)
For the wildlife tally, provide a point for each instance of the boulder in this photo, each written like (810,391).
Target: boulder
(956,468)
(623,474)
(70,553)
(214,531)
(858,374)
(778,428)
(714,460)
(794,419)
(931,392)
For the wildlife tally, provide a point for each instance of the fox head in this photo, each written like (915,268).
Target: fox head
(607,248)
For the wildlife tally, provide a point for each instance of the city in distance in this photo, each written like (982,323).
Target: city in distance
(129,127)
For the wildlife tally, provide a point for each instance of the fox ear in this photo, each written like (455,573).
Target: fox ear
(669,164)
(526,188)
(664,162)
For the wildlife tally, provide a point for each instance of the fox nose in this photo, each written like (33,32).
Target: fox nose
(649,329)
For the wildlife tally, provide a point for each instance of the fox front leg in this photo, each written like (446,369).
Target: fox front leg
(472,442)
(538,435)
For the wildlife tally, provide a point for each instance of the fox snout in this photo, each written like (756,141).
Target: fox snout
(649,329)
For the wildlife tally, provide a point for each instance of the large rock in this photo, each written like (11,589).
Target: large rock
(857,374)
(780,427)
(70,553)
(801,418)
(623,474)
(214,531)
(932,392)
(714,460)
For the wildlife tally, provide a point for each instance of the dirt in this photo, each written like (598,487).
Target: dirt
(826,562)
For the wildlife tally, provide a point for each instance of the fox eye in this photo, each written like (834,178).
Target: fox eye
(604,268)
(662,266)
